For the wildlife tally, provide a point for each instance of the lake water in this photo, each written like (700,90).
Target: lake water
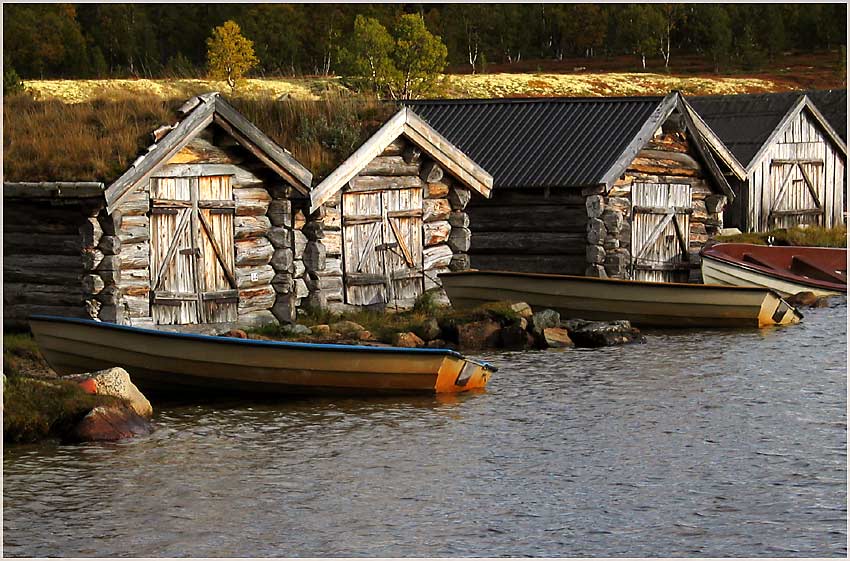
(699,443)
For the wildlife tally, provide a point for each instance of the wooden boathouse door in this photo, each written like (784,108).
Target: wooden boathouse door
(192,251)
(797,188)
(660,231)
(382,247)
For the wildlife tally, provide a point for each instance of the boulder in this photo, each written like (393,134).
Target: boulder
(601,333)
(515,337)
(801,299)
(429,330)
(479,334)
(363,335)
(321,329)
(110,423)
(544,319)
(440,344)
(346,327)
(557,338)
(408,339)
(522,309)
(115,382)
(296,330)
(237,333)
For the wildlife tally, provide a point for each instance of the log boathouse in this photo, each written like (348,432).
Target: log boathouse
(603,187)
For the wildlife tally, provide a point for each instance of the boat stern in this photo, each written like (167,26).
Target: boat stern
(776,311)
(462,374)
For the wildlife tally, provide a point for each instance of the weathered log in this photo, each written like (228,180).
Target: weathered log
(33,243)
(432,278)
(431,172)
(247,227)
(613,221)
(301,290)
(42,218)
(136,204)
(258,298)
(532,243)
(283,283)
(110,245)
(436,232)
(135,256)
(68,228)
(435,209)
(332,287)
(284,308)
(527,197)
(300,243)
(641,165)
(24,311)
(134,229)
(280,213)
(254,251)
(459,219)
(379,183)
(298,268)
(134,284)
(595,205)
(436,257)
(668,159)
(110,314)
(135,306)
(45,294)
(252,201)
(282,260)
(314,256)
(436,191)
(109,296)
(90,233)
(525,218)
(250,277)
(715,204)
(333,266)
(559,264)
(313,230)
(333,218)
(596,231)
(595,254)
(108,263)
(201,151)
(593,190)
(459,197)
(700,212)
(298,219)
(91,259)
(460,262)
(333,242)
(92,284)
(280,237)
(390,165)
(395,148)
(459,239)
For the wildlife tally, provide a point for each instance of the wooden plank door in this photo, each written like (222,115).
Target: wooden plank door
(363,248)
(660,231)
(403,243)
(796,189)
(192,278)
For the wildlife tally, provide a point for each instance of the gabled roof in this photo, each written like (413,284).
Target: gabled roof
(833,105)
(555,142)
(199,112)
(748,123)
(405,123)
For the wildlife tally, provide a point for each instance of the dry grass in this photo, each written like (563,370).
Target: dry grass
(812,236)
(93,140)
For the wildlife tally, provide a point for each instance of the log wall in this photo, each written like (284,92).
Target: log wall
(262,240)
(446,232)
(48,243)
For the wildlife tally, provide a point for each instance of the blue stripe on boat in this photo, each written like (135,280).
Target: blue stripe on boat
(253,342)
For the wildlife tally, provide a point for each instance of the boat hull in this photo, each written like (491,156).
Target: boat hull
(647,304)
(162,362)
(724,264)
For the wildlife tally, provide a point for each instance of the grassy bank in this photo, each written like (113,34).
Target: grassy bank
(813,236)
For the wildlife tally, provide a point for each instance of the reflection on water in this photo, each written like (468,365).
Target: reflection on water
(715,443)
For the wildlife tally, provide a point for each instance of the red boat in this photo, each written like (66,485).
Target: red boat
(785,269)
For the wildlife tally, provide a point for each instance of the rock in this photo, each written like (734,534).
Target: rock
(478,334)
(110,423)
(364,335)
(544,319)
(296,330)
(810,300)
(439,344)
(522,309)
(557,338)
(346,327)
(238,333)
(116,383)
(602,333)
(321,329)
(408,339)
(515,337)
(429,330)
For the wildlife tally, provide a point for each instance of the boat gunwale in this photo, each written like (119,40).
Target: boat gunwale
(596,280)
(293,345)
(708,253)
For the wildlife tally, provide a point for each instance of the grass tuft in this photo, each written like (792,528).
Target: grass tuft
(811,236)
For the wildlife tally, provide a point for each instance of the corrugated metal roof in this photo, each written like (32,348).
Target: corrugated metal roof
(833,106)
(744,122)
(557,142)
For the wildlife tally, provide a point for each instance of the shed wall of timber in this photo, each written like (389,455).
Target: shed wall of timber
(387,235)
(798,180)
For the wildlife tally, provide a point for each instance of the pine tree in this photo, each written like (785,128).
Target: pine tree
(230,55)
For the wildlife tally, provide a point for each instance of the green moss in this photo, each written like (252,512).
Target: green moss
(812,236)
(21,355)
(36,409)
